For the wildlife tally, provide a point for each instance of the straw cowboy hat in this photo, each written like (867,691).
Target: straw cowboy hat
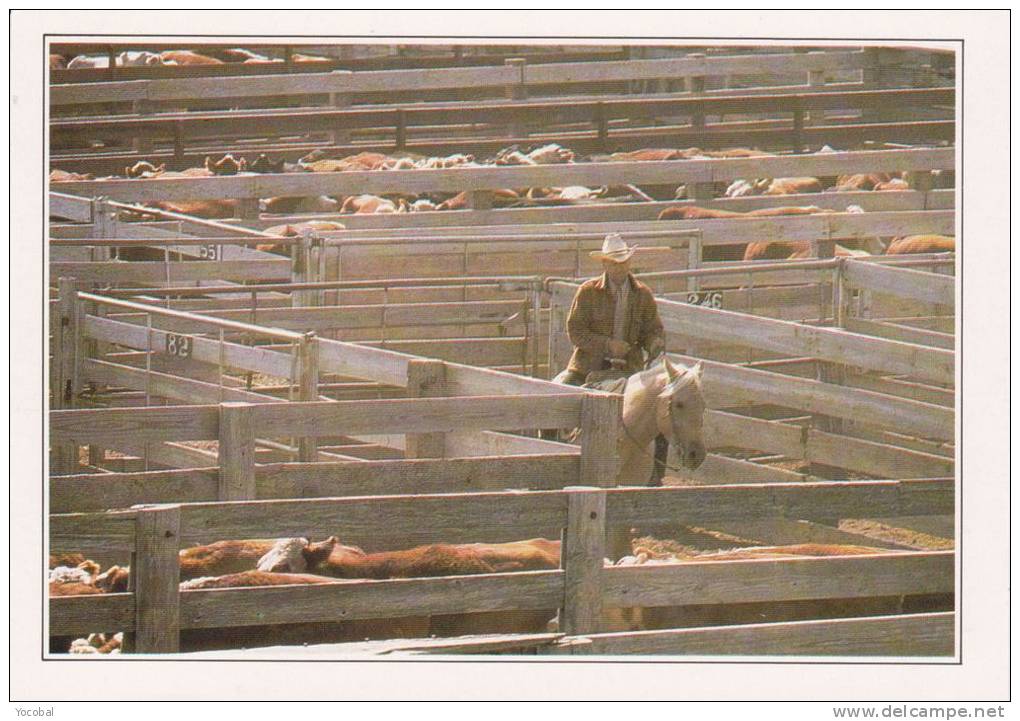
(614,248)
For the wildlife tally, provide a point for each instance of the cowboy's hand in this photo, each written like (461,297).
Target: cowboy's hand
(618,348)
(657,347)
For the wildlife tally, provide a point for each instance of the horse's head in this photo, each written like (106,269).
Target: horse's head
(680,409)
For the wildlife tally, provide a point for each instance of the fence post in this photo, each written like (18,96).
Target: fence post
(65,358)
(517,90)
(697,88)
(341,135)
(601,430)
(816,79)
(582,553)
(480,199)
(156,575)
(308,389)
(236,453)
(426,378)
(247,209)
(139,143)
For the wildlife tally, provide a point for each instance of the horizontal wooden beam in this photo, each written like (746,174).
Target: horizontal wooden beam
(418,80)
(492,178)
(86,492)
(158,423)
(907,635)
(786,579)
(842,499)
(349,600)
(285,122)
(904,282)
(100,613)
(417,415)
(425,475)
(159,273)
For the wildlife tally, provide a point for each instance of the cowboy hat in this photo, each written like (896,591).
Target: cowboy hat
(614,248)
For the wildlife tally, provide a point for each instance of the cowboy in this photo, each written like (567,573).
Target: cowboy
(613,318)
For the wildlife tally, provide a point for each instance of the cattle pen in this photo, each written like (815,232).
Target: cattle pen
(384,377)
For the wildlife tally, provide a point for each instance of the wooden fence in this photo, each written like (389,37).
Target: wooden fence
(456,180)
(435,121)
(511,75)
(156,610)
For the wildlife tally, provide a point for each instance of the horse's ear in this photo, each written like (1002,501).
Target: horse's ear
(671,372)
(698,369)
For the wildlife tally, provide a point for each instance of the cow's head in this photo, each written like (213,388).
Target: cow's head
(286,556)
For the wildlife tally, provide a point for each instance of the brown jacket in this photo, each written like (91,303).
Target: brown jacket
(590,324)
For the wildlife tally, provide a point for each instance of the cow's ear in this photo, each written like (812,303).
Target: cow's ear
(698,369)
(208,163)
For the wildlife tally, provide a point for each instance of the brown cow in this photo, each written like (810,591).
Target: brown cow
(912,244)
(330,558)
(223,557)
(865,181)
(65,176)
(227,165)
(367,204)
(318,161)
(252,579)
(299,204)
(187,57)
(209,209)
(462,200)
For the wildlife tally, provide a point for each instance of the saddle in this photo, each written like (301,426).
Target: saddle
(610,381)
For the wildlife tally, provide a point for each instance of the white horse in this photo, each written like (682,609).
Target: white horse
(664,399)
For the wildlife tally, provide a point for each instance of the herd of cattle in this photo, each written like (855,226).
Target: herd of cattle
(321,161)
(139,58)
(296,561)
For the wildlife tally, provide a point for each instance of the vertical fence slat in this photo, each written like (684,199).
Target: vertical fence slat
(582,552)
(156,573)
(236,452)
(426,379)
(601,428)
(308,390)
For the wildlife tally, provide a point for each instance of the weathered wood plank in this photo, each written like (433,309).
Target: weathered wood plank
(157,273)
(207,350)
(417,415)
(842,499)
(601,423)
(904,282)
(236,451)
(393,80)
(411,520)
(426,379)
(97,492)
(909,635)
(787,579)
(530,590)
(104,613)
(155,574)
(451,475)
(583,551)
(178,423)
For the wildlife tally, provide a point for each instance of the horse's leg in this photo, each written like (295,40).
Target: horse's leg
(661,456)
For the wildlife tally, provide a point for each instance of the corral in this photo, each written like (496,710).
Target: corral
(385,380)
